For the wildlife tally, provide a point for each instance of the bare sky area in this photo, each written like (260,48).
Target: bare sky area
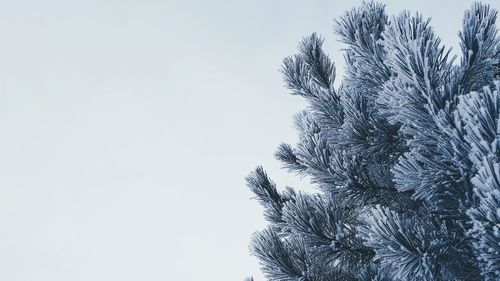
(127,128)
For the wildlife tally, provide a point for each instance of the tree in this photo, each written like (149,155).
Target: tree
(404,153)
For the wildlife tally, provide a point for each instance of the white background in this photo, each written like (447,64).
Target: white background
(127,128)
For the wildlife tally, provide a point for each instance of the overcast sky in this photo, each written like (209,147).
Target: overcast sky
(127,128)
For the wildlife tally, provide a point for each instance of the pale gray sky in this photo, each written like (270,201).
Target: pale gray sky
(127,128)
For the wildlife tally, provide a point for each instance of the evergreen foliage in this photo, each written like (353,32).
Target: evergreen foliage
(405,154)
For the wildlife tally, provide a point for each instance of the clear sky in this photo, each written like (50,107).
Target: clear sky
(127,127)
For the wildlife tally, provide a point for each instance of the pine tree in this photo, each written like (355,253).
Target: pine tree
(404,153)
